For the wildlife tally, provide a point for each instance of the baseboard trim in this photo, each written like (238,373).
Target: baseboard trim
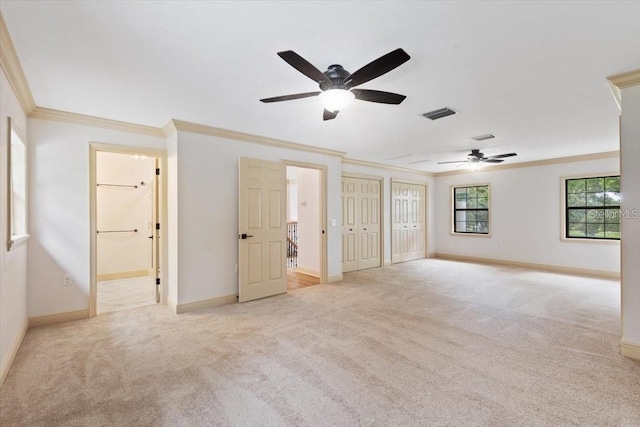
(307,271)
(554,268)
(172,305)
(387,262)
(5,365)
(52,319)
(632,351)
(123,275)
(336,278)
(207,303)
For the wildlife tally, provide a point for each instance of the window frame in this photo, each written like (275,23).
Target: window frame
(564,209)
(453,211)
(16,240)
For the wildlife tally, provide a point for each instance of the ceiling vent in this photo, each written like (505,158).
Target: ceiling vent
(438,114)
(483,137)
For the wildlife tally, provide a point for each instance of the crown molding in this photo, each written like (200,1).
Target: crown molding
(183,126)
(81,119)
(169,129)
(569,159)
(624,80)
(10,63)
(383,166)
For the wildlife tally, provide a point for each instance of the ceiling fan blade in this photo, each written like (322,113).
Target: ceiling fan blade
(378,96)
(304,66)
(380,66)
(455,161)
(502,156)
(328,115)
(290,97)
(490,160)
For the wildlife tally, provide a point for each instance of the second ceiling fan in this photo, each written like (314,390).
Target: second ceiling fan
(477,157)
(337,85)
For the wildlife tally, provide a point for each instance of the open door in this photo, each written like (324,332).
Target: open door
(262,229)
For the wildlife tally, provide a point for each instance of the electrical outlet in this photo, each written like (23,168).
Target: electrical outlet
(67,280)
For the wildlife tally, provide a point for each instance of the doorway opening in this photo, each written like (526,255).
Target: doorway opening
(126,254)
(304,227)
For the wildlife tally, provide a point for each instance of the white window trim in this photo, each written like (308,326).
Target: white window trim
(563,211)
(453,210)
(16,240)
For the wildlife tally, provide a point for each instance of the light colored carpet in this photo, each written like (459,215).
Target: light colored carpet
(429,342)
(122,294)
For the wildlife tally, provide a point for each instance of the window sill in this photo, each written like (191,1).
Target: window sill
(595,241)
(17,241)
(453,233)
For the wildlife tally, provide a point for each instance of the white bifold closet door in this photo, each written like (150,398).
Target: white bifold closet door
(360,224)
(408,206)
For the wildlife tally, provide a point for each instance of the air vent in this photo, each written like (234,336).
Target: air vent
(483,137)
(438,114)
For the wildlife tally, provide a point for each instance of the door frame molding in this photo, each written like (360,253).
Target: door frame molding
(382,210)
(94,148)
(323,214)
(426,210)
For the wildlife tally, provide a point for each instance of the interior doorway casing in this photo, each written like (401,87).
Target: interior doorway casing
(161,155)
(381,211)
(425,207)
(323,213)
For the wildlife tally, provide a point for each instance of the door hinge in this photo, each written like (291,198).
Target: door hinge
(157,171)
(157,280)
(157,226)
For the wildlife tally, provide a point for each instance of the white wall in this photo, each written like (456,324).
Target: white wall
(207,184)
(387,174)
(525,217)
(308,220)
(292,193)
(630,187)
(124,208)
(59,210)
(13,264)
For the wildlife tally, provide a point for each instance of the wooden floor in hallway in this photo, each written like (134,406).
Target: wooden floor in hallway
(297,280)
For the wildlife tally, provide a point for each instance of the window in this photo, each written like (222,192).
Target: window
(592,208)
(17,189)
(471,209)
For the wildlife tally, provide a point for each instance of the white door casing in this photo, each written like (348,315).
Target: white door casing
(262,223)
(408,221)
(361,226)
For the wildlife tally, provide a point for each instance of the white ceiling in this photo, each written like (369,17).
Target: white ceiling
(532,73)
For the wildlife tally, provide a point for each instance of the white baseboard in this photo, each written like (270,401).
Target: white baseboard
(123,275)
(632,351)
(172,305)
(307,271)
(337,278)
(7,362)
(387,262)
(207,303)
(553,268)
(52,319)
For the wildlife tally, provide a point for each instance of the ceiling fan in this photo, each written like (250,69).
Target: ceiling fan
(337,84)
(477,157)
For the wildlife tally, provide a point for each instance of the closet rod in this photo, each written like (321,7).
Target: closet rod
(118,231)
(117,185)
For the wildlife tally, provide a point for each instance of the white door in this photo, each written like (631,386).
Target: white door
(408,221)
(349,226)
(360,224)
(262,229)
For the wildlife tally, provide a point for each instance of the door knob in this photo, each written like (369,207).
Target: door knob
(244,236)
(365,229)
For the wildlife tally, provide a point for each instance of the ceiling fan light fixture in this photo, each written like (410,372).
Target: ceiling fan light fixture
(336,99)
